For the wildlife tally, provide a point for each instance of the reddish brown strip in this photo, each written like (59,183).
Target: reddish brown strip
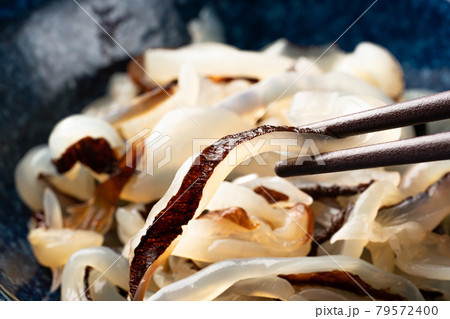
(227,79)
(236,215)
(341,280)
(87,291)
(336,223)
(95,153)
(270,195)
(97,213)
(181,208)
(320,191)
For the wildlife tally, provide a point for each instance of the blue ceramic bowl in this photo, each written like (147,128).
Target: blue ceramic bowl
(35,96)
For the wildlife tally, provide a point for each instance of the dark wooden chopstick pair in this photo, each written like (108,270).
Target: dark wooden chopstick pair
(414,150)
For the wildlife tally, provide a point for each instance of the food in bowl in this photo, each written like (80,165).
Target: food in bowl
(164,189)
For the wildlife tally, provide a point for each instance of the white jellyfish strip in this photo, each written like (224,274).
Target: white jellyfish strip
(278,232)
(129,221)
(212,59)
(420,176)
(337,81)
(429,258)
(193,90)
(428,208)
(186,95)
(179,138)
(277,113)
(356,231)
(407,227)
(236,195)
(210,249)
(189,86)
(210,282)
(261,166)
(252,102)
(313,106)
(211,92)
(420,253)
(76,127)
(36,161)
(349,178)
(52,210)
(278,184)
(382,256)
(53,247)
(77,182)
(111,265)
(53,219)
(375,65)
(267,287)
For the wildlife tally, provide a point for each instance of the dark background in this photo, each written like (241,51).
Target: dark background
(416,31)
(54,60)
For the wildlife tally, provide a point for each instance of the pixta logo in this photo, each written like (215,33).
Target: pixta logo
(152,151)
(304,150)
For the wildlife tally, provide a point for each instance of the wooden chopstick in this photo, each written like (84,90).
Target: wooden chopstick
(415,150)
(422,110)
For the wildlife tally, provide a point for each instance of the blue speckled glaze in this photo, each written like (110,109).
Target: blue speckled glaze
(416,31)
(21,277)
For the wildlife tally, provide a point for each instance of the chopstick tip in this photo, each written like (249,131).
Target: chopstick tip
(282,169)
